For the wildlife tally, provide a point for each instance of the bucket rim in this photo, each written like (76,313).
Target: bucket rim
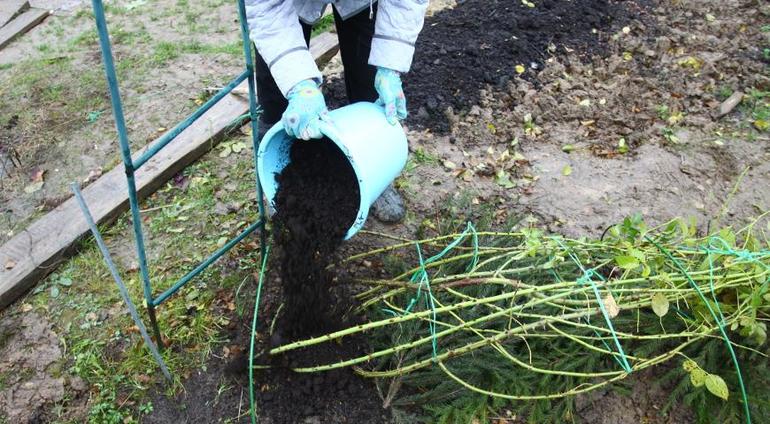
(332,133)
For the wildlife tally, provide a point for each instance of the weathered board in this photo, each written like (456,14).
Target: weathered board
(10,8)
(21,24)
(34,252)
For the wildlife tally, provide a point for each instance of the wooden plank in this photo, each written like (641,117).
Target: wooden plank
(35,252)
(20,25)
(9,9)
(324,46)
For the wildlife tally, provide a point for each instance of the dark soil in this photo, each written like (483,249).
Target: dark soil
(479,43)
(460,52)
(317,202)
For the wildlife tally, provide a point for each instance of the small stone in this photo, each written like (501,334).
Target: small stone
(475,111)
(221,209)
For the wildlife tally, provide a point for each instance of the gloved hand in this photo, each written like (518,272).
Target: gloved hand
(305,112)
(387,82)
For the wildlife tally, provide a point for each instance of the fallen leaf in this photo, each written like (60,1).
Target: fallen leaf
(448,164)
(710,17)
(238,147)
(37,175)
(675,118)
(691,62)
(626,30)
(503,179)
(660,304)
(93,175)
(567,170)
(10,264)
(761,125)
(226,150)
(610,305)
(627,56)
(567,148)
(585,102)
(520,69)
(36,186)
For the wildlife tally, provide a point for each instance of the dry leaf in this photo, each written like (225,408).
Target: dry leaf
(93,175)
(611,306)
(660,304)
(37,175)
(36,186)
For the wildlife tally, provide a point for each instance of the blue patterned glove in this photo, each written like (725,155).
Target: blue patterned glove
(387,82)
(305,112)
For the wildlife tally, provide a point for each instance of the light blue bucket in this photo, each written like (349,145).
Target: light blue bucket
(376,150)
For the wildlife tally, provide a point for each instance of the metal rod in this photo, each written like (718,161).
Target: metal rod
(169,136)
(119,282)
(198,269)
(125,149)
(253,112)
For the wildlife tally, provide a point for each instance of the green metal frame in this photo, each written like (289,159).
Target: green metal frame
(132,165)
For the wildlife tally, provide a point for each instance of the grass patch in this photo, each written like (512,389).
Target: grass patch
(103,346)
(325,24)
(165,51)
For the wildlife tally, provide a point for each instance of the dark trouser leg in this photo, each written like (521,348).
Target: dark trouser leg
(269,96)
(355,35)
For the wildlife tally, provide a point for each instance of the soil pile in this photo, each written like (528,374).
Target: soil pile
(478,44)
(481,42)
(317,202)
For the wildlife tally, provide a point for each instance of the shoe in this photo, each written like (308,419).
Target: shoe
(389,207)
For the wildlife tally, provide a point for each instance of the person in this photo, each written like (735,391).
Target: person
(377,42)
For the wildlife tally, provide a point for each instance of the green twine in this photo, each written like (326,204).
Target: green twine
(422,278)
(586,278)
(252,404)
(718,319)
(743,255)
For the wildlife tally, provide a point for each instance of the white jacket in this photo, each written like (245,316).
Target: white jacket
(275,29)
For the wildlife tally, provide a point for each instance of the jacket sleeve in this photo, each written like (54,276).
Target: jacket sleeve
(275,29)
(395,32)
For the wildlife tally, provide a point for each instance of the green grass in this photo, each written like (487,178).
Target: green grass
(103,347)
(325,24)
(164,51)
